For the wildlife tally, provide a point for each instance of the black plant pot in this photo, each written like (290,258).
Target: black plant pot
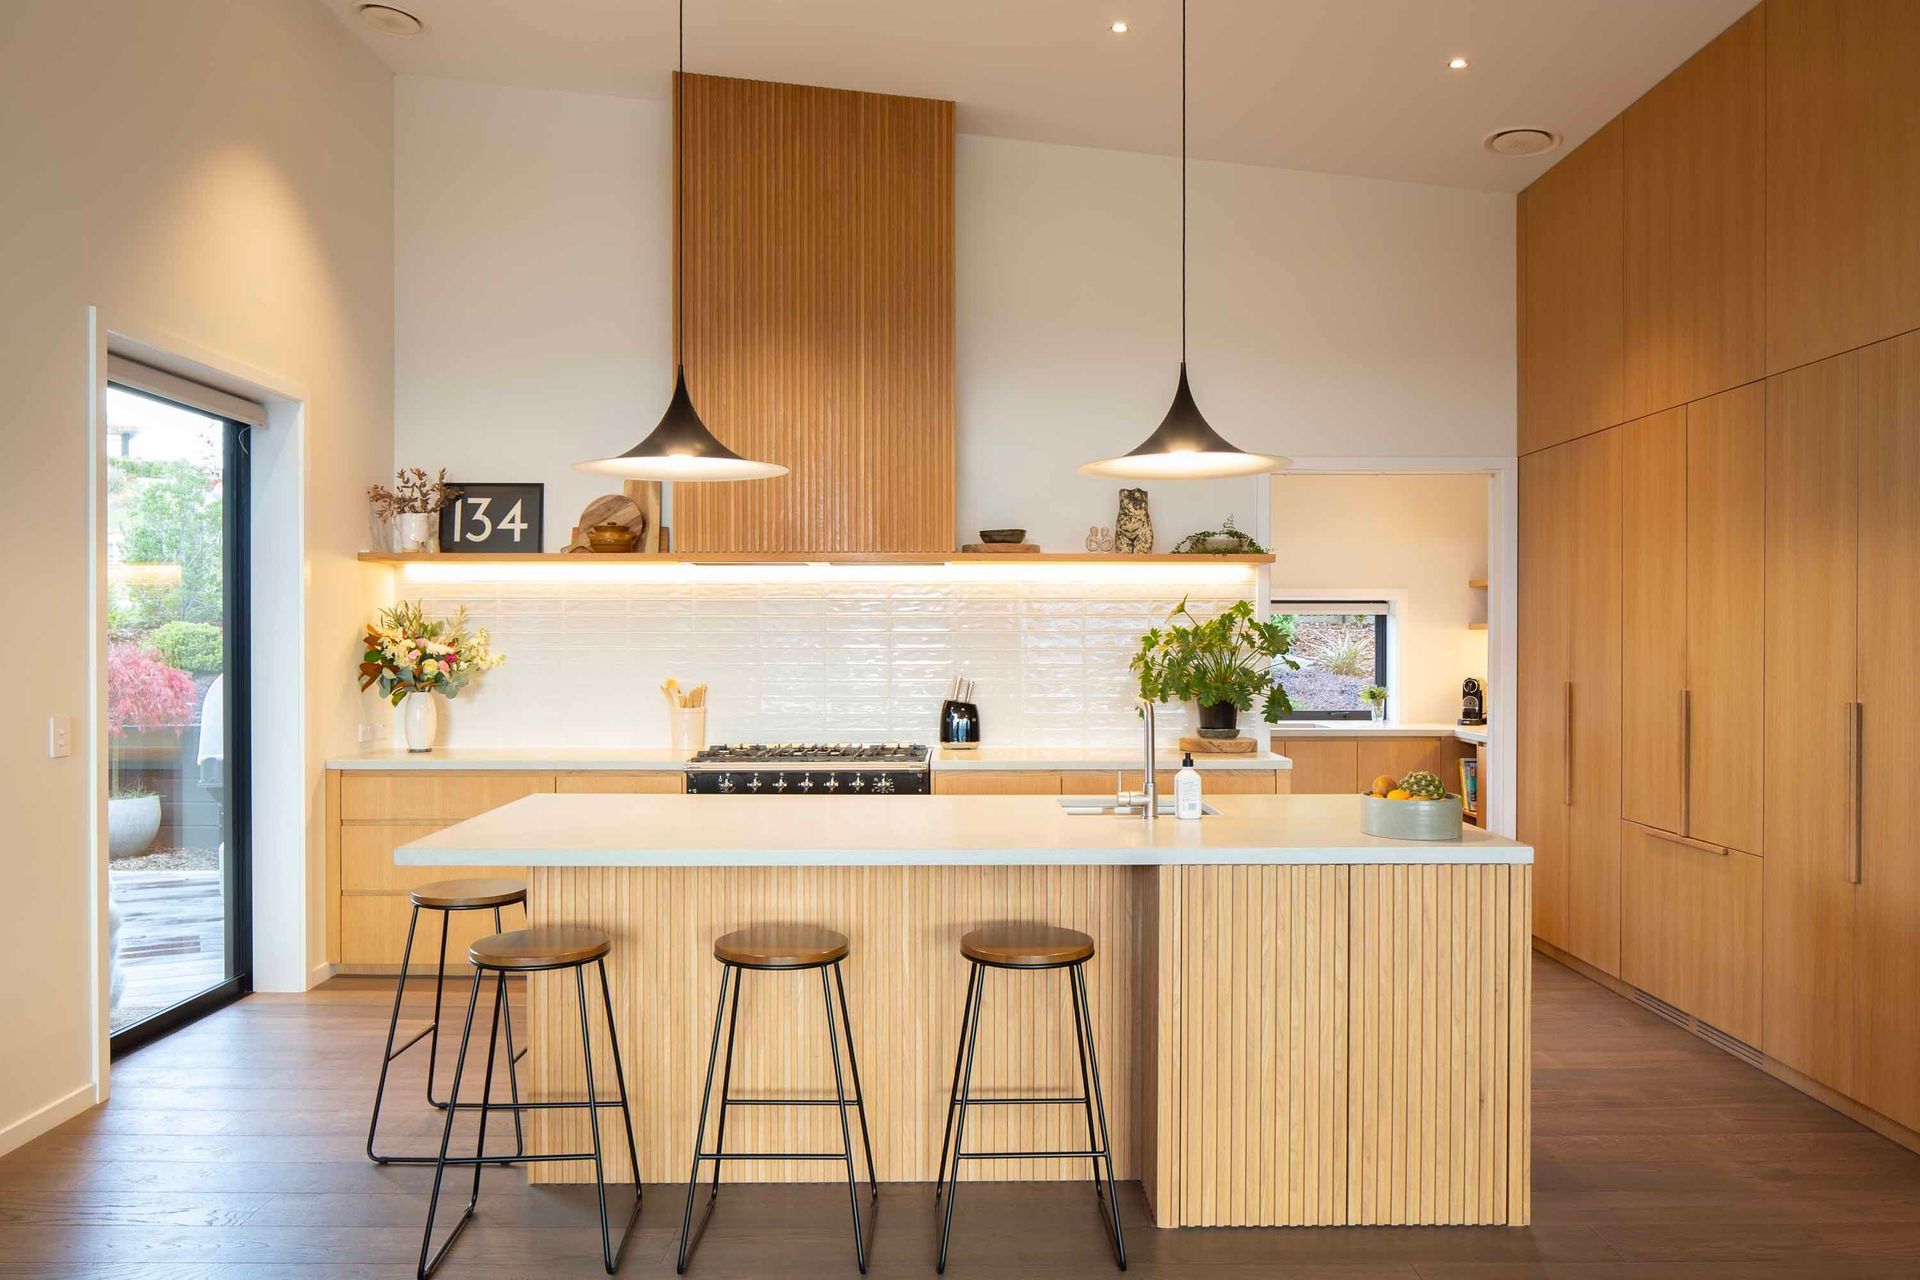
(1219,720)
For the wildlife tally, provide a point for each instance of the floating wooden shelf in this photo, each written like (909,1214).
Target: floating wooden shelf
(802,557)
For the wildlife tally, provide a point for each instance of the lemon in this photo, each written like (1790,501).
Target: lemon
(1399,794)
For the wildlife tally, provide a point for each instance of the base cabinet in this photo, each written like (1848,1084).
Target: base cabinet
(1690,923)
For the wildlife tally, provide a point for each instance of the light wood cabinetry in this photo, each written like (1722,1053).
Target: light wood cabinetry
(1726,618)
(1843,175)
(1812,553)
(819,322)
(1653,604)
(1322,766)
(1543,678)
(998,782)
(1097,782)
(621,784)
(1400,757)
(1574,306)
(1889,831)
(1695,163)
(1690,927)
(1569,802)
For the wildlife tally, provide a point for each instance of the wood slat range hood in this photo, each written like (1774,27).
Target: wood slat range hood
(819,328)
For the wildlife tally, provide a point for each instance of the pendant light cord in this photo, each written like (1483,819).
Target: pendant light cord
(680,199)
(1183,182)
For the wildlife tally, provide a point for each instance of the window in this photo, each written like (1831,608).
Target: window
(1341,646)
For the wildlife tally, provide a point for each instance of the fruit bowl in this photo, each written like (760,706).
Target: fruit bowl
(1411,819)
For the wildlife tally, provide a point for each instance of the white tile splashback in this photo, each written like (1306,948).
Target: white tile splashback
(807,661)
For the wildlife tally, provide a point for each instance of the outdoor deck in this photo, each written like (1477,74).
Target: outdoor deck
(173,939)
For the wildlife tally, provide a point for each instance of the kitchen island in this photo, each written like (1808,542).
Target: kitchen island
(1299,1023)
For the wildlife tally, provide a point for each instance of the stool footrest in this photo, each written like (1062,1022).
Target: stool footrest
(451,1161)
(413,1040)
(716,1157)
(791,1102)
(1020,1102)
(1027,1155)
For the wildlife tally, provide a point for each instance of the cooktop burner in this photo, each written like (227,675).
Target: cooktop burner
(845,755)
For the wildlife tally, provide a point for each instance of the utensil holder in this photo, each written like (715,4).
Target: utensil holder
(959,724)
(687,727)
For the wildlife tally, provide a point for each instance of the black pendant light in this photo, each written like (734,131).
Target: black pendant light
(1184,447)
(680,447)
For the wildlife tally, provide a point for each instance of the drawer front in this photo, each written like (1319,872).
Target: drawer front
(1690,924)
(1322,766)
(996,782)
(437,797)
(366,860)
(373,934)
(621,784)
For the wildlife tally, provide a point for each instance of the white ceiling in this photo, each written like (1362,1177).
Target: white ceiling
(1341,86)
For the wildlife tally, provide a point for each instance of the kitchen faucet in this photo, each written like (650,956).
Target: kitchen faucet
(1150,786)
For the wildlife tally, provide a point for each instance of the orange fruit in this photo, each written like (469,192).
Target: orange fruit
(1384,783)
(1398,794)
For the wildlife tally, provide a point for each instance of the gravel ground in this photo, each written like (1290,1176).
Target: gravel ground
(171,860)
(1322,691)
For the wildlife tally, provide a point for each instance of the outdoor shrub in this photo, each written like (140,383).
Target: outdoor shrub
(191,646)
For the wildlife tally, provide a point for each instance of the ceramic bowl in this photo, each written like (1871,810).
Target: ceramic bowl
(1003,535)
(1411,819)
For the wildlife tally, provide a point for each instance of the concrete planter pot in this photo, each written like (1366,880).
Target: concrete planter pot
(132,823)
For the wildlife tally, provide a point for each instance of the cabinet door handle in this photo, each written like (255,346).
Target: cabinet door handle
(1856,799)
(1686,761)
(1566,744)
(1685,842)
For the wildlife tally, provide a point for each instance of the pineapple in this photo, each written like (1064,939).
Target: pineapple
(1422,785)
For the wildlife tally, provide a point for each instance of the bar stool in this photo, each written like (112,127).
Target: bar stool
(535,951)
(446,897)
(1028,947)
(785,948)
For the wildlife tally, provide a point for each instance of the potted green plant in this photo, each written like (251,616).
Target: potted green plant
(1376,699)
(1222,664)
(144,694)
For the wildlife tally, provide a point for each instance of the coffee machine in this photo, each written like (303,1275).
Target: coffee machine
(1473,701)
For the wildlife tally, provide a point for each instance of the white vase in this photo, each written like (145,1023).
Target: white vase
(132,823)
(422,721)
(417,531)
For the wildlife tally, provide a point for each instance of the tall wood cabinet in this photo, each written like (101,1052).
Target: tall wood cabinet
(1569,800)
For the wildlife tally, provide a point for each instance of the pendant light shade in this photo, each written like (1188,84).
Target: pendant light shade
(1184,446)
(680,447)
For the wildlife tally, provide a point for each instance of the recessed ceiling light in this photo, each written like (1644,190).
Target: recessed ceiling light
(1457,64)
(1119,28)
(1520,142)
(389,21)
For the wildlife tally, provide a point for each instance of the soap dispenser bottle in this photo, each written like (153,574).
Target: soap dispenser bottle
(1186,790)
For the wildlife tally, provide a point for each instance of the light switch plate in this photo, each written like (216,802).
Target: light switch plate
(59,737)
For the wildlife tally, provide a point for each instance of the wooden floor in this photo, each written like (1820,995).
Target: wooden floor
(233,1149)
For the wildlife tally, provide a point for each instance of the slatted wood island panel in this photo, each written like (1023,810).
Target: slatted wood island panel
(1296,1024)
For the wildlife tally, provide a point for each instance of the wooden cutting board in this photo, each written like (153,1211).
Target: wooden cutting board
(1001,548)
(1218,746)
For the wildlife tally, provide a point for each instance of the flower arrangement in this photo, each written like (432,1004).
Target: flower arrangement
(408,652)
(414,493)
(1228,660)
(143,692)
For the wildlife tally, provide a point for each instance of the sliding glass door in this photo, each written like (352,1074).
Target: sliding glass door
(176,723)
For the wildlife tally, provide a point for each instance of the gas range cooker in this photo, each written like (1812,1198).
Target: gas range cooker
(812,769)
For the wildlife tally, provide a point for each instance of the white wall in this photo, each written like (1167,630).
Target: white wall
(1331,316)
(1420,537)
(220,172)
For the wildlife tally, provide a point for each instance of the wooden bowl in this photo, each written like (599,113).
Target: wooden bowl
(1003,535)
(611,537)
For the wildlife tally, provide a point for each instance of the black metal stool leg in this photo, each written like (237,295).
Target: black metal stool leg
(960,1118)
(486,1087)
(700,1130)
(430,1262)
(1100,1106)
(859,1094)
(626,1113)
(513,1059)
(387,1055)
(726,1081)
(593,1121)
(846,1134)
(433,1030)
(953,1093)
(1086,1083)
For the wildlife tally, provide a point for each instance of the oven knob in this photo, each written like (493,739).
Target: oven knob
(856,784)
(753,784)
(882,785)
(726,782)
(779,783)
(832,783)
(806,783)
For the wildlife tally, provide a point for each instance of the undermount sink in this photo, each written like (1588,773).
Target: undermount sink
(1101,806)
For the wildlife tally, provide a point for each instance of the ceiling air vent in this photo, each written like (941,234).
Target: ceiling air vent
(1521,142)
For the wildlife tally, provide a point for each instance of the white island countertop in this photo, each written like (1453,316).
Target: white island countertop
(669,760)
(856,831)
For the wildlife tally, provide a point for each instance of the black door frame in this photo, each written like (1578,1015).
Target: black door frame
(237,885)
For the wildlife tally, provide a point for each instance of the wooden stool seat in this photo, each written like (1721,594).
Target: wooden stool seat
(781,946)
(1026,946)
(470,895)
(547,947)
